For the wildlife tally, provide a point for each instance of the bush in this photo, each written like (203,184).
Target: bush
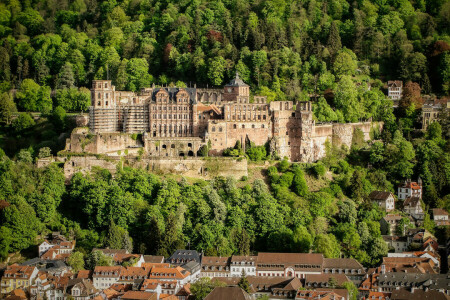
(257,153)
(283,166)
(319,170)
(45,152)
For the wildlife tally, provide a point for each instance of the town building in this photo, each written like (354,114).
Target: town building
(56,247)
(214,266)
(410,265)
(395,89)
(289,264)
(325,280)
(413,206)
(347,266)
(105,276)
(16,276)
(392,281)
(440,217)
(410,189)
(243,264)
(389,223)
(396,243)
(383,199)
(431,110)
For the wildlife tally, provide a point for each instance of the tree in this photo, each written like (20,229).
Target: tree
(118,238)
(58,118)
(45,152)
(66,78)
(346,99)
(243,283)
(216,70)
(23,121)
(323,111)
(347,211)
(302,239)
(202,287)
(299,185)
(328,245)
(27,95)
(345,63)
(76,261)
(97,258)
(334,40)
(352,290)
(7,107)
(411,96)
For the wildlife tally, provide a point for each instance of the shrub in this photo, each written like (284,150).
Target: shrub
(23,121)
(283,166)
(257,153)
(319,170)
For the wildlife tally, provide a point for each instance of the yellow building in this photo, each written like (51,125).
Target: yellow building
(16,276)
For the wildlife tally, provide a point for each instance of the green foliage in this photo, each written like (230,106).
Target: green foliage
(202,287)
(319,170)
(23,122)
(76,261)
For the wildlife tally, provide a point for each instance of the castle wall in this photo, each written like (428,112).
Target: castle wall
(337,134)
(173,147)
(83,142)
(190,167)
(224,134)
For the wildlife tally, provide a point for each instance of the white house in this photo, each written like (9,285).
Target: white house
(241,264)
(385,200)
(410,189)
(395,89)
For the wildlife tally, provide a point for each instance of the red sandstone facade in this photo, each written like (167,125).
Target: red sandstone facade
(179,121)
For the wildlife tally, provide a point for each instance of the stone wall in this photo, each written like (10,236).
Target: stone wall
(81,141)
(337,134)
(191,167)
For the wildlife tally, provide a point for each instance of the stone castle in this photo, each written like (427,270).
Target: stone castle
(177,122)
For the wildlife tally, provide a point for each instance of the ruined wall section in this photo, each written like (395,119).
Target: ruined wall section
(81,141)
(190,167)
(337,134)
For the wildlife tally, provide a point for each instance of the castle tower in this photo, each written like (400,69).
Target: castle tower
(236,91)
(103,115)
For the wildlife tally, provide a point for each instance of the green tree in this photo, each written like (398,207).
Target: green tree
(334,39)
(44,152)
(328,245)
(216,70)
(345,63)
(7,108)
(23,121)
(66,78)
(243,283)
(346,99)
(202,287)
(76,261)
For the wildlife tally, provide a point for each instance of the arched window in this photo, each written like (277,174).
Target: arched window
(243,126)
(213,129)
(234,126)
(220,129)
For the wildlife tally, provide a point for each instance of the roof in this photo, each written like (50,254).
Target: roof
(237,81)
(324,278)
(411,201)
(341,263)
(139,295)
(264,283)
(421,281)
(19,271)
(227,293)
(380,195)
(439,212)
(379,295)
(395,83)
(111,251)
(392,217)
(403,294)
(153,258)
(84,274)
(410,185)
(215,261)
(247,258)
(315,294)
(86,287)
(172,92)
(172,273)
(184,256)
(290,258)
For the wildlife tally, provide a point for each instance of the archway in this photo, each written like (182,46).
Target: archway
(181,154)
(191,153)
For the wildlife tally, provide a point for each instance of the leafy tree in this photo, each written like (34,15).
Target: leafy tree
(345,63)
(23,122)
(328,245)
(97,258)
(243,283)
(202,287)
(44,152)
(216,70)
(76,261)
(7,107)
(65,77)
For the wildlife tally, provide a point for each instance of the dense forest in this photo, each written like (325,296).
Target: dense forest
(320,207)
